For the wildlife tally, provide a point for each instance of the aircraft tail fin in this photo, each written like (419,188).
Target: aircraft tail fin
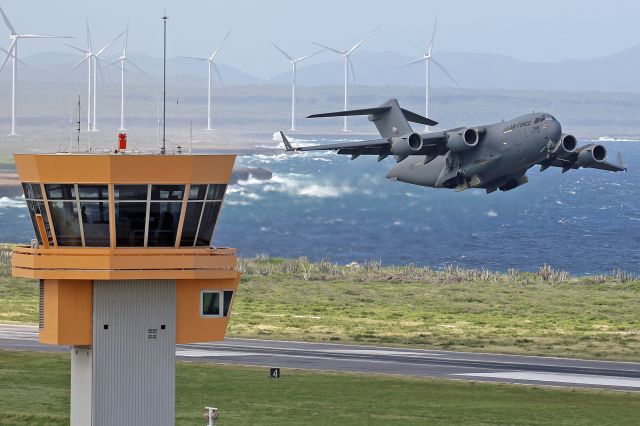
(389,118)
(286,142)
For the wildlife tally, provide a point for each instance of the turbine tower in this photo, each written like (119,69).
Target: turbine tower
(427,58)
(92,59)
(13,53)
(210,61)
(294,63)
(123,60)
(348,65)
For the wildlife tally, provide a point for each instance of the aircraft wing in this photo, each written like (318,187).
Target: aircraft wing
(370,145)
(573,162)
(432,144)
(568,164)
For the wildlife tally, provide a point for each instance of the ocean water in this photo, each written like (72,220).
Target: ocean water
(322,205)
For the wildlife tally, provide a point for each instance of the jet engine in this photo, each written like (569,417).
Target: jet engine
(566,146)
(463,139)
(406,144)
(591,155)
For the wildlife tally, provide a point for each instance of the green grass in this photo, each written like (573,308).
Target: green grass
(543,313)
(34,390)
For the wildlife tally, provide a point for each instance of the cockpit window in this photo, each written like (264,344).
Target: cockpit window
(545,117)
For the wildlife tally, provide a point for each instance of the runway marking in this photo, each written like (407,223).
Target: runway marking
(578,379)
(372,352)
(202,353)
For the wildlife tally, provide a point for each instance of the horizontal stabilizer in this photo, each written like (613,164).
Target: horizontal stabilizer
(417,118)
(365,111)
(409,115)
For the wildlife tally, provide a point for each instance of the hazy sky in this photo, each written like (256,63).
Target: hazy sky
(541,30)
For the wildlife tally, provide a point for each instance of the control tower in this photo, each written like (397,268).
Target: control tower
(126,271)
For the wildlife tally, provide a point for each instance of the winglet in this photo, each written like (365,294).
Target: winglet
(620,162)
(286,142)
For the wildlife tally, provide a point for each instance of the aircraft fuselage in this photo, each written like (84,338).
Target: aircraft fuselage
(506,150)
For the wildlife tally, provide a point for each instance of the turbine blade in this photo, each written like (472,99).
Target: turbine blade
(6,21)
(215,68)
(42,36)
(340,52)
(86,21)
(415,61)
(445,71)
(138,68)
(126,41)
(77,48)
(77,65)
(433,36)
(110,43)
(99,59)
(358,44)
(282,51)
(196,58)
(215,52)
(13,55)
(308,56)
(110,64)
(9,55)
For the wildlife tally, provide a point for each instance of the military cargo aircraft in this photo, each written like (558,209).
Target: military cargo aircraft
(494,156)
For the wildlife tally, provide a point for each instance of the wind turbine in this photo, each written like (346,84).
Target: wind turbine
(427,58)
(123,60)
(294,63)
(92,59)
(210,61)
(348,65)
(13,53)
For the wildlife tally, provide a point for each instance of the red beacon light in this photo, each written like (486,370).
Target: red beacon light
(122,141)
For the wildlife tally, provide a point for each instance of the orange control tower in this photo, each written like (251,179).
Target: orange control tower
(126,271)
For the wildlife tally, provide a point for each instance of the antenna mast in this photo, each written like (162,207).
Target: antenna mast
(78,128)
(164,86)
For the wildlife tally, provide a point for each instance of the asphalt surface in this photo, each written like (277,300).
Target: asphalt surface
(384,360)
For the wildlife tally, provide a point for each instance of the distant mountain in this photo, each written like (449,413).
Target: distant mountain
(55,66)
(614,73)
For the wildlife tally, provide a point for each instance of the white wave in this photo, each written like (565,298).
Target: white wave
(610,139)
(492,213)
(252,196)
(301,185)
(252,181)
(15,202)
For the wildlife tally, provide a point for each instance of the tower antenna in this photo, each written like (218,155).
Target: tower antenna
(78,128)
(164,86)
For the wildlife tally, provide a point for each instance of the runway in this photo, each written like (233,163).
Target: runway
(517,369)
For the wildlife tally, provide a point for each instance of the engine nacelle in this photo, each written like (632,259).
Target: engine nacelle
(591,155)
(463,139)
(406,144)
(566,147)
